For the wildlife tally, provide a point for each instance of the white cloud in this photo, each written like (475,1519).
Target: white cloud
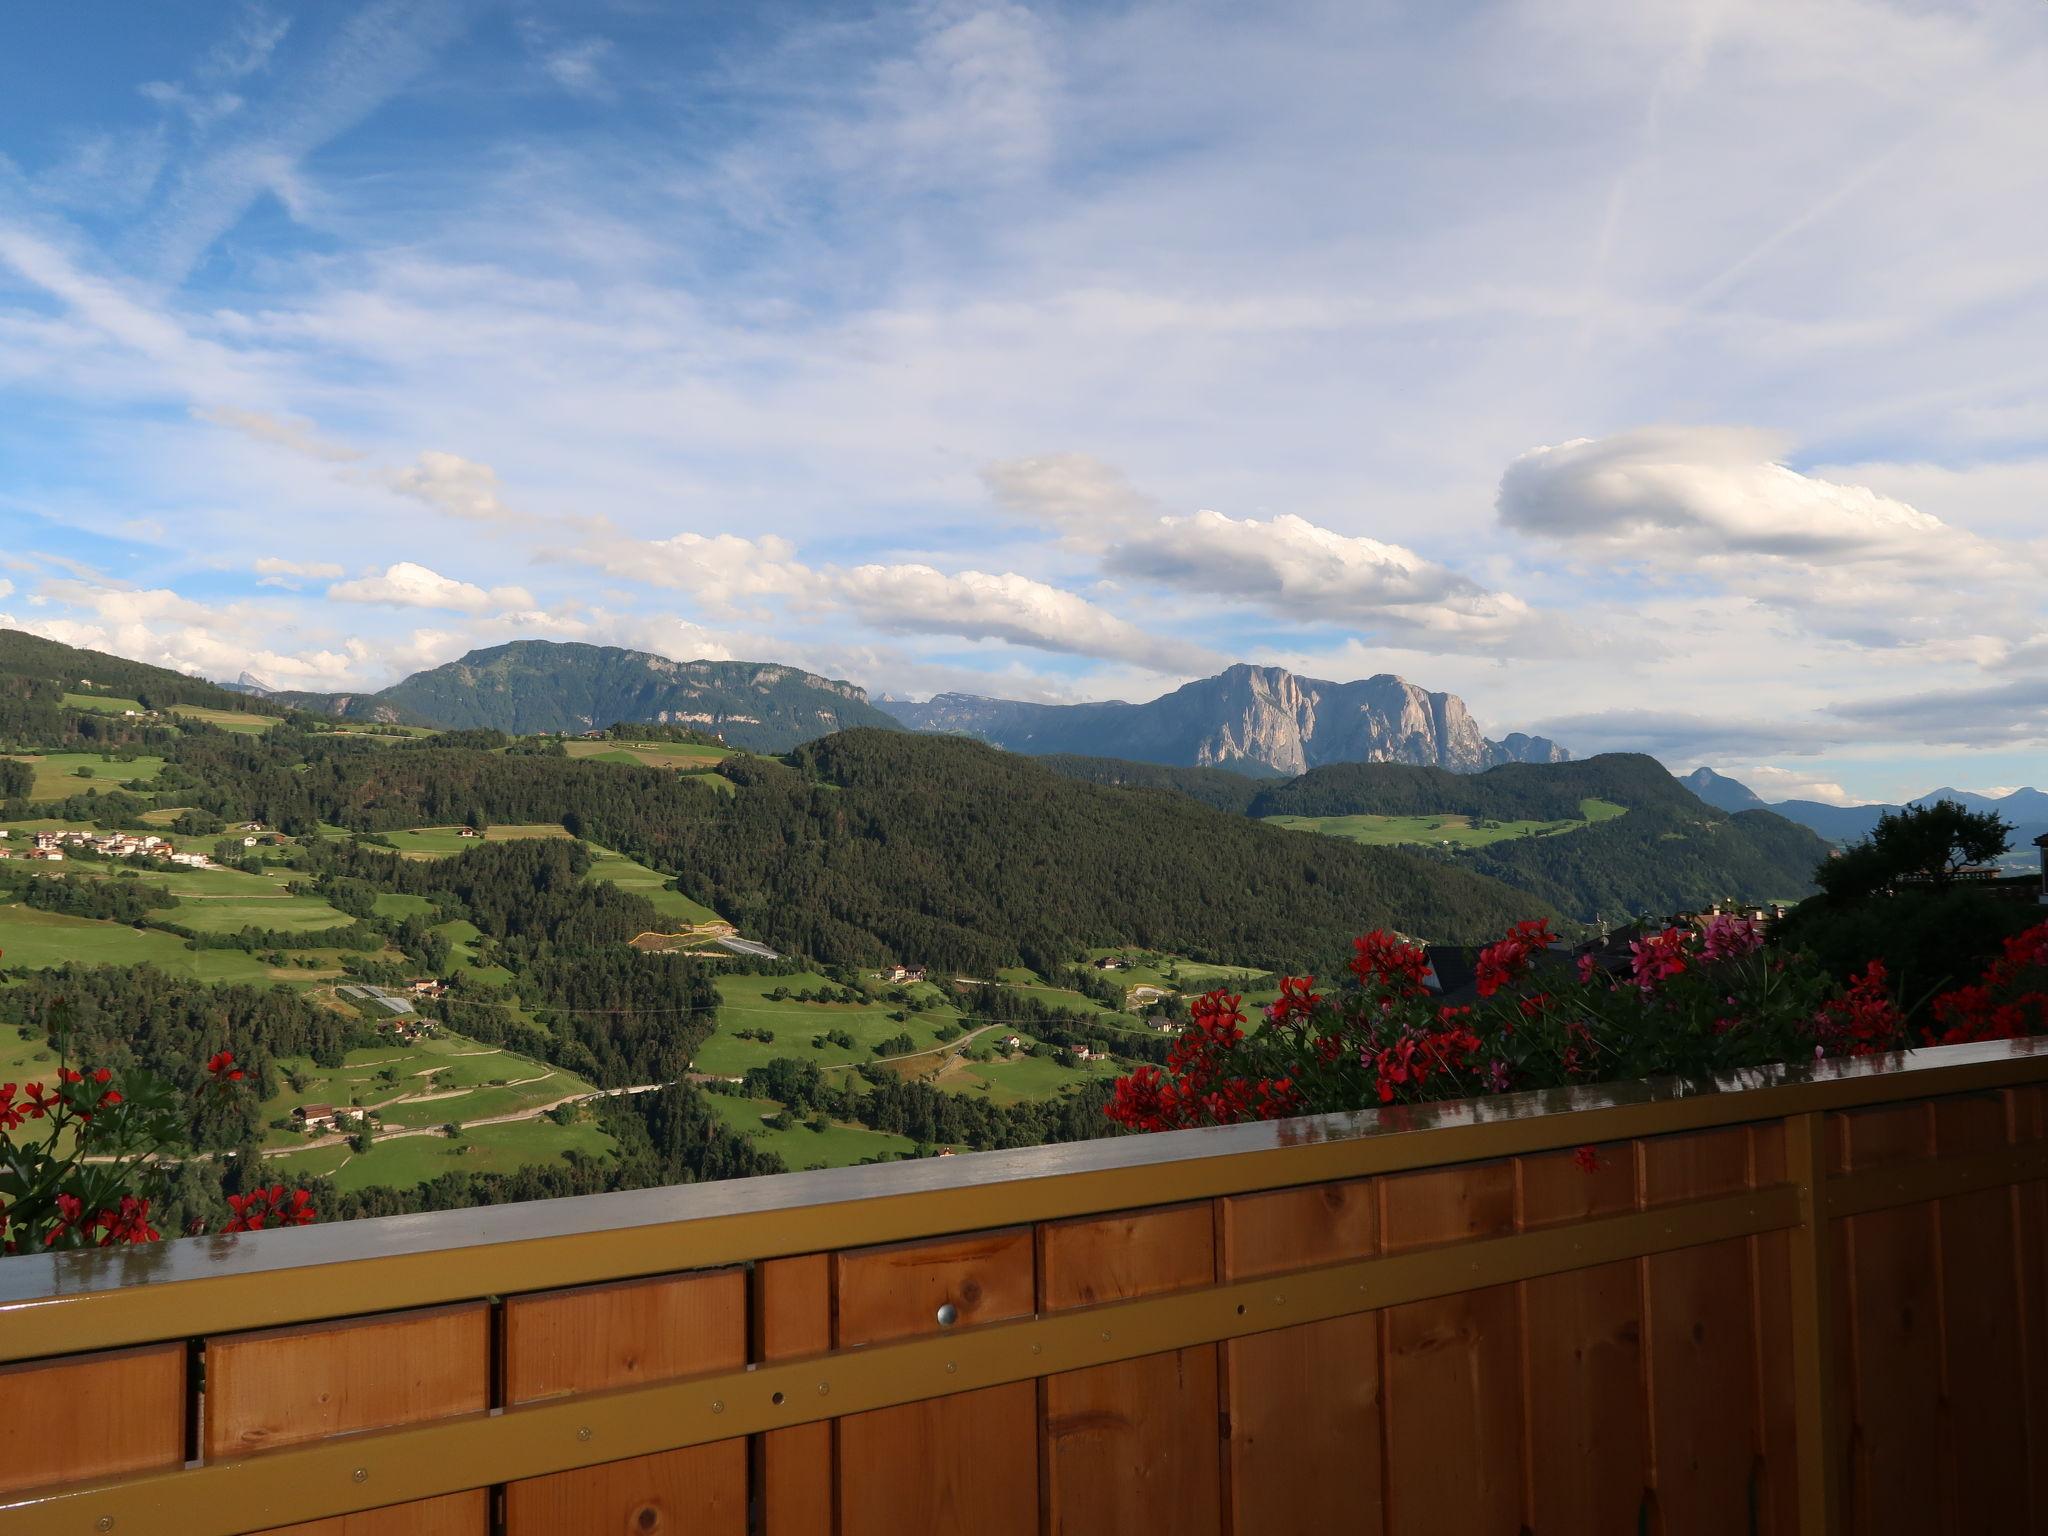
(6,588)
(579,66)
(409,585)
(722,570)
(1286,565)
(1012,608)
(452,484)
(1772,783)
(282,432)
(287,574)
(1670,494)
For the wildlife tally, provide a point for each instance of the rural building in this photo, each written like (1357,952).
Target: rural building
(1112,963)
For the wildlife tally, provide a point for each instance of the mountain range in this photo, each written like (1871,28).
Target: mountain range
(2026,810)
(530,686)
(1263,721)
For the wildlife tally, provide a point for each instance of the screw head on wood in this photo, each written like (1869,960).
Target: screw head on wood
(104,1523)
(583,1433)
(717,1407)
(362,1474)
(948,1315)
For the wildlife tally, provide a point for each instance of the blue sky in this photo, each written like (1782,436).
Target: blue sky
(1664,376)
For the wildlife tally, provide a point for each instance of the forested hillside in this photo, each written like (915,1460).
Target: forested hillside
(1668,850)
(1218,788)
(881,845)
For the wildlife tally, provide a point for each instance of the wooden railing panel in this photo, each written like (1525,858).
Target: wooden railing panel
(1770,1264)
(1453,1366)
(2027,1117)
(1131,1449)
(285,1386)
(1303,1400)
(793,1317)
(1890,1301)
(1587,1449)
(1983,1427)
(968,1462)
(89,1416)
(592,1338)
(1700,1338)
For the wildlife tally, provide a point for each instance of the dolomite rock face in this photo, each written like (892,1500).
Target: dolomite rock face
(1256,719)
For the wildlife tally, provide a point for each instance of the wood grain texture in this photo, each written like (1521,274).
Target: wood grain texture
(1131,1449)
(591,1338)
(1453,1389)
(1982,1421)
(968,1462)
(1304,1401)
(91,1416)
(1586,1450)
(2027,1119)
(793,1317)
(1770,1266)
(285,1386)
(1893,1307)
(1700,1338)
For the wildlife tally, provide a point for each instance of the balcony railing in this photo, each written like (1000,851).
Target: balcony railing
(1813,1300)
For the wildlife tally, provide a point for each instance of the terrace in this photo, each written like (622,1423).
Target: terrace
(1811,1299)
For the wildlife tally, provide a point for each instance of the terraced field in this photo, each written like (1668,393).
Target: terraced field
(41,940)
(836,1146)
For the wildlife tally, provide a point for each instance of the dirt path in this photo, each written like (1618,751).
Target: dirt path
(532,1112)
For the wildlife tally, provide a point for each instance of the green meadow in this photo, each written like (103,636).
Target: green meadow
(1447,830)
(440,842)
(744,1004)
(60,775)
(836,1145)
(652,754)
(406,1161)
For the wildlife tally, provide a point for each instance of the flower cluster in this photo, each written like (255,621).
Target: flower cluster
(100,1155)
(1686,1002)
(2009,1001)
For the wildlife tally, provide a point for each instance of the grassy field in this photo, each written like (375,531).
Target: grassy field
(440,842)
(407,1161)
(1446,831)
(744,1004)
(226,900)
(652,754)
(467,1080)
(235,720)
(58,776)
(40,940)
(836,1146)
(102,704)
(393,904)
(651,883)
(1021,1078)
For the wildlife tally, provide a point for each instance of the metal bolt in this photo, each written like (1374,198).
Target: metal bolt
(717,1407)
(583,1433)
(104,1523)
(952,1368)
(1105,1333)
(1279,1301)
(1038,1349)
(948,1315)
(362,1474)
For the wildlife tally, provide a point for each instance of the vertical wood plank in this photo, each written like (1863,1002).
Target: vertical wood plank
(968,1462)
(1587,1436)
(1452,1366)
(1983,1409)
(1893,1303)
(285,1386)
(591,1338)
(2027,1120)
(793,1317)
(91,1416)
(1771,1271)
(1131,1448)
(1700,1336)
(1303,1403)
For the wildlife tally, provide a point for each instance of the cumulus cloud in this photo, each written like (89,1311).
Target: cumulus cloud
(273,572)
(723,570)
(1012,608)
(1673,492)
(1716,504)
(1286,565)
(1773,783)
(409,585)
(452,484)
